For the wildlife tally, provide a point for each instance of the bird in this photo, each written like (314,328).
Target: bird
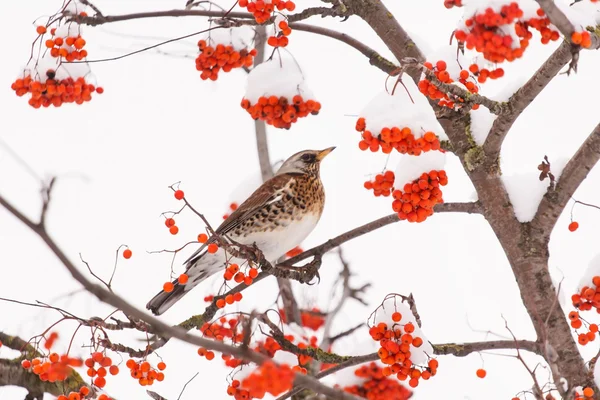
(277,217)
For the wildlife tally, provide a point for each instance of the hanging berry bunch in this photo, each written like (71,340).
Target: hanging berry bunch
(376,386)
(502,32)
(395,121)
(277,93)
(282,31)
(51,79)
(225,50)
(263,9)
(403,348)
(144,372)
(382,184)
(416,193)
(587,298)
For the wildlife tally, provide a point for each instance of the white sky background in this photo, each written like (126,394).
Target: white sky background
(158,123)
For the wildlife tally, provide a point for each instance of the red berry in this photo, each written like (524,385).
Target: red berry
(179,194)
(573,226)
(127,254)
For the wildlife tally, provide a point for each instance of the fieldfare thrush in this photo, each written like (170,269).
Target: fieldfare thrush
(277,217)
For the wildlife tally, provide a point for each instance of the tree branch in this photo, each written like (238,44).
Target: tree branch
(576,170)
(519,101)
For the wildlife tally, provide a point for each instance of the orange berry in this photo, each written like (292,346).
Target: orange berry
(168,287)
(237,296)
(161,366)
(100,381)
(114,370)
(174,230)
(588,392)
(221,303)
(127,254)
(202,238)
(210,355)
(169,222)
(481,373)
(26,364)
(41,30)
(576,37)
(396,317)
(212,248)
(441,65)
(573,226)
(229,299)
(183,279)
(179,194)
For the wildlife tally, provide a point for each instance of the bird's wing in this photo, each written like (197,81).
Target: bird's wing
(269,192)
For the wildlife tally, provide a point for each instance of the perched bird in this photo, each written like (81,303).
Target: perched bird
(277,217)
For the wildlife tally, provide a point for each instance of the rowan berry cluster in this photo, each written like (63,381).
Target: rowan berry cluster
(223,329)
(70,48)
(588,297)
(584,337)
(267,378)
(52,91)
(404,140)
(53,368)
(281,40)
(382,185)
(452,3)
(98,372)
(486,32)
(144,373)
(263,9)
(229,299)
(416,200)
(395,342)
(312,319)
(376,386)
(483,74)
(583,39)
(440,69)
(221,57)
(281,112)
(83,392)
(233,272)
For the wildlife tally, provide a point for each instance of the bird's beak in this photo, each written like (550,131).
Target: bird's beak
(321,155)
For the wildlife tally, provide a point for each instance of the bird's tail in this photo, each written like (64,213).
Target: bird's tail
(165,300)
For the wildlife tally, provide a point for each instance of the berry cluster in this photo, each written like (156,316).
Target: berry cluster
(312,319)
(401,139)
(223,328)
(416,201)
(144,373)
(582,38)
(377,386)
(229,299)
(83,392)
(483,74)
(268,378)
(263,10)
(281,40)
(53,368)
(485,32)
(395,342)
(382,184)
(449,100)
(588,297)
(55,92)
(233,272)
(452,3)
(213,59)
(70,48)
(99,373)
(202,352)
(586,337)
(280,111)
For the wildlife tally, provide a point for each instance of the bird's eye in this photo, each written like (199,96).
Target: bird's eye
(308,157)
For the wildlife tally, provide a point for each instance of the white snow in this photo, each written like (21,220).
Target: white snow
(278,77)
(481,123)
(581,14)
(246,187)
(239,37)
(410,167)
(70,29)
(388,111)
(73,7)
(525,191)
(455,60)
(419,355)
(472,7)
(38,68)
(592,270)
